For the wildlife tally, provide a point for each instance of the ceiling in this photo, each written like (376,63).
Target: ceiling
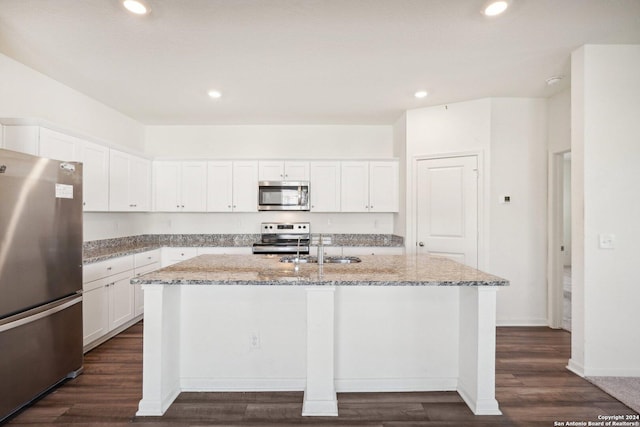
(305,61)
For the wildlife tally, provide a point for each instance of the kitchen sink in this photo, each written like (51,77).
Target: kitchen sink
(341,259)
(327,259)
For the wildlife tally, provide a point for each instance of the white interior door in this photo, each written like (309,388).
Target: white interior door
(447,208)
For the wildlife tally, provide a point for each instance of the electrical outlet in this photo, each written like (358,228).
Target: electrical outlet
(254,343)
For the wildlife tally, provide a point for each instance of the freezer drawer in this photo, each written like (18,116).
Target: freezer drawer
(38,352)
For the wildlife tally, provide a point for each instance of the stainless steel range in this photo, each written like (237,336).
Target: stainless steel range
(283,238)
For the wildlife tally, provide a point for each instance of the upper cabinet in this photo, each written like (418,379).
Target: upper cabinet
(180,186)
(232,186)
(283,170)
(95,178)
(369,186)
(129,182)
(324,186)
(245,186)
(51,144)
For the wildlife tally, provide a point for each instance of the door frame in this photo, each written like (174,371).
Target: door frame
(483,182)
(555,239)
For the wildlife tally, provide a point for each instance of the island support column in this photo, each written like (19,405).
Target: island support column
(320,397)
(161,349)
(477,349)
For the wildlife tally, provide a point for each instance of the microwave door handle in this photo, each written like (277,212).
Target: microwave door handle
(303,197)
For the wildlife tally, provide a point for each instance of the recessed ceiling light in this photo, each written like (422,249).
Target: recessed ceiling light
(421,94)
(494,8)
(214,94)
(138,7)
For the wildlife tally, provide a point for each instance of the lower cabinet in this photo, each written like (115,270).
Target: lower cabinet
(144,262)
(110,303)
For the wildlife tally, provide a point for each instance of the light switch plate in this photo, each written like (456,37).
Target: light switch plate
(607,241)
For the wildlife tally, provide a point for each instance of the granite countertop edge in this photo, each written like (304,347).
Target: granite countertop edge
(117,254)
(312,283)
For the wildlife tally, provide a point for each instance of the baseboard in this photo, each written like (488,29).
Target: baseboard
(588,372)
(479,406)
(242,384)
(522,322)
(575,367)
(382,385)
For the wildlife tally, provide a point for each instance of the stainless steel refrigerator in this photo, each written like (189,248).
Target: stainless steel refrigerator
(40,276)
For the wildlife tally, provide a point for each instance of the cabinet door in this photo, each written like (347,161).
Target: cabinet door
(118,181)
(194,187)
(383,187)
(95,181)
(220,186)
(140,184)
(58,146)
(166,185)
(271,170)
(95,314)
(296,171)
(245,186)
(354,195)
(24,139)
(138,293)
(325,186)
(121,301)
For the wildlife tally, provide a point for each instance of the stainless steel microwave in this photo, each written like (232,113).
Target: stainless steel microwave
(283,196)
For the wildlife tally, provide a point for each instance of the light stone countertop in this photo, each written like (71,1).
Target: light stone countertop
(374,270)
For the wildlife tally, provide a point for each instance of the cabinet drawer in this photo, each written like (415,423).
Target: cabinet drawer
(106,268)
(146,258)
(179,254)
(147,269)
(104,281)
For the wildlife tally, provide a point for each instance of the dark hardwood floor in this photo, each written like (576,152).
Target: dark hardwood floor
(532,385)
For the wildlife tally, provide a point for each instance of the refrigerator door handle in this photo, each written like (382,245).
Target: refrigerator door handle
(39,312)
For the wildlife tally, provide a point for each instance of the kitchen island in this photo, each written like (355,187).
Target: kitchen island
(252,323)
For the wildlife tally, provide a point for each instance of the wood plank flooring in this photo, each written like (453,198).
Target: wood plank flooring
(533,388)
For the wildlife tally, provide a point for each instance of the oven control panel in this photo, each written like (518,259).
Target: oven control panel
(286,228)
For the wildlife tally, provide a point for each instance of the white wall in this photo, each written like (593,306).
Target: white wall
(26,93)
(605,158)
(270,142)
(400,151)
(518,246)
(510,136)
(462,127)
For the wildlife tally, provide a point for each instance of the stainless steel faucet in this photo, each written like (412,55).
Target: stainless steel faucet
(320,256)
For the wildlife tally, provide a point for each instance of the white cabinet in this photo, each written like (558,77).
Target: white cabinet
(43,142)
(180,186)
(108,298)
(324,186)
(372,250)
(95,181)
(232,186)
(25,139)
(369,186)
(175,255)
(383,186)
(144,262)
(129,182)
(52,144)
(281,170)
(220,186)
(354,193)
(58,146)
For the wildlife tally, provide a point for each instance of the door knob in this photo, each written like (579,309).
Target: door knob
(421,244)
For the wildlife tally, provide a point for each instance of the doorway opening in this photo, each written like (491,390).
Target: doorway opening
(559,261)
